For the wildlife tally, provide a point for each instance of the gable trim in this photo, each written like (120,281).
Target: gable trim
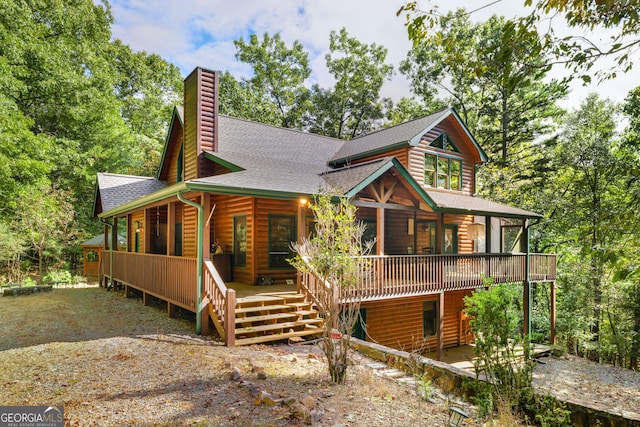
(231,166)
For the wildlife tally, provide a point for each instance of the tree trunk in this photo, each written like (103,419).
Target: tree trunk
(635,339)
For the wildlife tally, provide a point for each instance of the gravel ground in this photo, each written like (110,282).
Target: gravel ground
(110,361)
(578,379)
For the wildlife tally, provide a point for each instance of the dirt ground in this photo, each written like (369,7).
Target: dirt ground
(110,361)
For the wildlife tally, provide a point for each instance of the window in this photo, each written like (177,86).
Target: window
(282,231)
(442,172)
(180,164)
(450,239)
(444,142)
(240,241)
(511,235)
(429,318)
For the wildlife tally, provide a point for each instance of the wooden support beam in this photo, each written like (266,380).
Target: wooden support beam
(380,231)
(206,233)
(440,335)
(526,307)
(171,228)
(204,320)
(230,318)
(552,314)
(171,310)
(376,205)
(146,298)
(439,233)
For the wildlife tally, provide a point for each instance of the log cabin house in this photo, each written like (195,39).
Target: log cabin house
(229,198)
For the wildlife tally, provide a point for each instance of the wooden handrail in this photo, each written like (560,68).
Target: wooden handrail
(222,303)
(391,276)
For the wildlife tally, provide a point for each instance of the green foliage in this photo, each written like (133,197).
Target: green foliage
(28,281)
(58,276)
(279,73)
(425,387)
(502,353)
(333,255)
(353,106)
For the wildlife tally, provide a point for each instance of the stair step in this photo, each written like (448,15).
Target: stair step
(266,317)
(257,300)
(276,326)
(313,314)
(263,308)
(287,297)
(277,337)
(300,305)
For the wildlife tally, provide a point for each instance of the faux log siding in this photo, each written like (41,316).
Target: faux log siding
(172,158)
(465,245)
(402,154)
(467,153)
(189,229)
(208,117)
(264,207)
(397,323)
(226,208)
(397,237)
(190,154)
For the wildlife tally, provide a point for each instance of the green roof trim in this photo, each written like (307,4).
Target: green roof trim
(483,155)
(182,187)
(485,213)
(231,166)
(393,162)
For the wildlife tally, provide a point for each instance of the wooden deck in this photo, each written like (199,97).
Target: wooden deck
(173,279)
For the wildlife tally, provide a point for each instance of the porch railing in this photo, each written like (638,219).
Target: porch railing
(405,275)
(220,301)
(171,278)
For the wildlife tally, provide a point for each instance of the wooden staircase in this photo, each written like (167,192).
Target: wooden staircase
(275,316)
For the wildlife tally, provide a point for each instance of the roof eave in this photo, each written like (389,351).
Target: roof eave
(523,215)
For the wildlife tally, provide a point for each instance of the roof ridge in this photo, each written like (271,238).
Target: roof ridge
(283,128)
(127,176)
(403,123)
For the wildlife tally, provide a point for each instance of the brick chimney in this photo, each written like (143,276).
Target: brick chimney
(200,121)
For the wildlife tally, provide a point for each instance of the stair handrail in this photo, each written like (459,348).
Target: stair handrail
(314,286)
(221,300)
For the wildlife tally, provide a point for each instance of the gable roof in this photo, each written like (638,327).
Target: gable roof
(114,190)
(404,134)
(99,240)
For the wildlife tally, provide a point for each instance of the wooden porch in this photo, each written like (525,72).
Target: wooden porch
(270,316)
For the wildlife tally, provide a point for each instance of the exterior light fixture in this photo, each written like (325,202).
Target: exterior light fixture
(303,202)
(138,226)
(456,416)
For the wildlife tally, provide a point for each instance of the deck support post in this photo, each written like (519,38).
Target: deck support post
(146,298)
(440,335)
(552,314)
(526,300)
(230,318)
(171,310)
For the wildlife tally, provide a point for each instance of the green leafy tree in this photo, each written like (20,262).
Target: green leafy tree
(579,52)
(353,106)
(333,255)
(44,216)
(278,77)
(493,73)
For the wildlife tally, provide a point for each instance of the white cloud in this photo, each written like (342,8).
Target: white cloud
(193,33)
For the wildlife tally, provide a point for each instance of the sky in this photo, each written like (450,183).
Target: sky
(190,33)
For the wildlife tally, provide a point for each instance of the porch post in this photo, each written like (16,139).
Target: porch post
(439,233)
(440,334)
(380,231)
(171,228)
(302,215)
(552,314)
(487,230)
(206,236)
(526,300)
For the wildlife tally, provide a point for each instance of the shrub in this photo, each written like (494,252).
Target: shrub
(58,276)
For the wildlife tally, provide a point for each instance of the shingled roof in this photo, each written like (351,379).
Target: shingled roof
(115,190)
(461,203)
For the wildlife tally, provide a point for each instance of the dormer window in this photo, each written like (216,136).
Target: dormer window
(444,142)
